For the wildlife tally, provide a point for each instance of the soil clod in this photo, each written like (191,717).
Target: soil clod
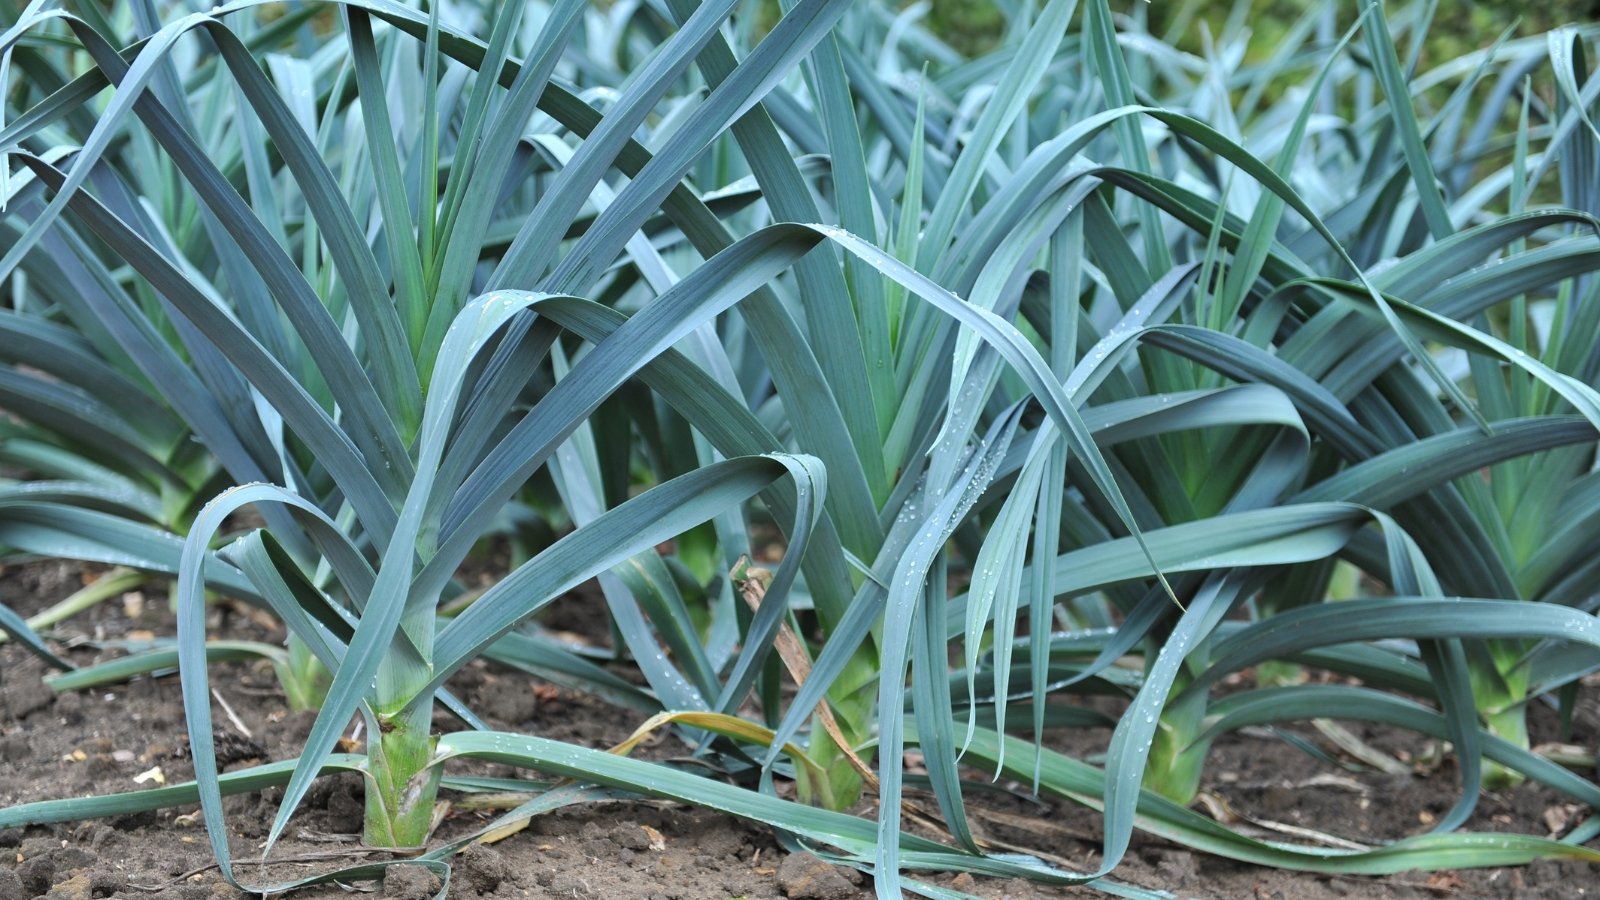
(78,887)
(404,882)
(481,867)
(11,886)
(345,812)
(23,691)
(805,877)
(37,874)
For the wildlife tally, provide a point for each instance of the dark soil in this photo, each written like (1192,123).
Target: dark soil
(101,741)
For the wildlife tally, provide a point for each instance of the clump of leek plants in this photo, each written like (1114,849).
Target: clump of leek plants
(1085,332)
(398,510)
(400,426)
(1472,237)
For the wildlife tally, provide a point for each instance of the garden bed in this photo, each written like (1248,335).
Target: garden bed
(102,741)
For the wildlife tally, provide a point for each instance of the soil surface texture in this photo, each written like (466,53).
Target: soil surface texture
(113,738)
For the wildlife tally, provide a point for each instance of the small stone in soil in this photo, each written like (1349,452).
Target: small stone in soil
(802,876)
(409,883)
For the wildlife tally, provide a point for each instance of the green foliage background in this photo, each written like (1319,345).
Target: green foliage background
(975,26)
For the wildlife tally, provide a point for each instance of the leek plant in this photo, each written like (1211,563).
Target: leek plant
(385,496)
(408,484)
(1133,346)
(88,423)
(1444,241)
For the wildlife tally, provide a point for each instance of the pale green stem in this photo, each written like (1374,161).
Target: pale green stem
(403,782)
(1176,761)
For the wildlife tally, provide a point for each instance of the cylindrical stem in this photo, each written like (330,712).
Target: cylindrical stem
(403,786)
